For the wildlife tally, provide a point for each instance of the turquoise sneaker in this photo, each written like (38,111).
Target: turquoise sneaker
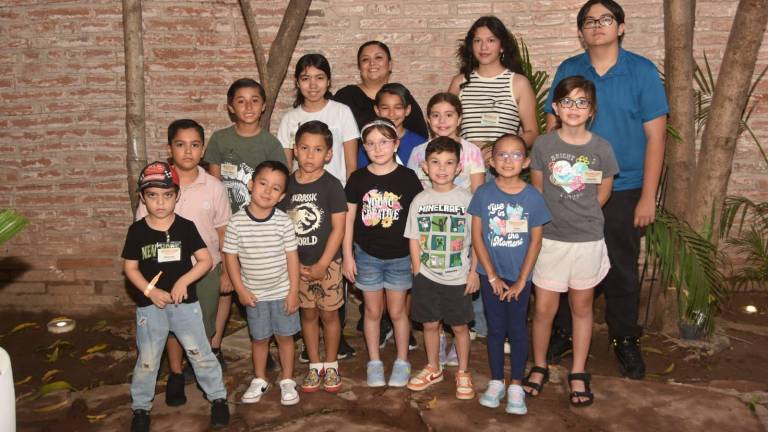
(493,394)
(401,373)
(375,373)
(516,400)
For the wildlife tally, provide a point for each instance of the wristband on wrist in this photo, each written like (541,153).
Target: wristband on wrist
(492,280)
(148,289)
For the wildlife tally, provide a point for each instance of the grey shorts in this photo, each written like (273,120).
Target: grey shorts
(268,318)
(433,301)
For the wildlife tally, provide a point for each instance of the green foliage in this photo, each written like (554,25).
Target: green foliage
(750,244)
(688,261)
(10,224)
(537,78)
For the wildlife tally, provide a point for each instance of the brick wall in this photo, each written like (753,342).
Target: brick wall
(62,102)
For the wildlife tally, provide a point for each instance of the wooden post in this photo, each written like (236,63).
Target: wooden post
(135,125)
(272,73)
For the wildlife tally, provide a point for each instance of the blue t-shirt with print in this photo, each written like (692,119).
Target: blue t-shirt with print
(407,143)
(629,94)
(505,236)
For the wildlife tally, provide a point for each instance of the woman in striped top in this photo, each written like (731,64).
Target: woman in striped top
(496,97)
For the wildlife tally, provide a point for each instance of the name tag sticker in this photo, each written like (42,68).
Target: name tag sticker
(168,254)
(229,170)
(517,226)
(489,119)
(593,177)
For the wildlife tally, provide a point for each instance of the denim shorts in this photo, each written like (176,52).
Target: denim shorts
(268,318)
(374,274)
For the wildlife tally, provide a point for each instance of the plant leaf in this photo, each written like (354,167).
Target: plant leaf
(24,381)
(49,375)
(52,357)
(96,418)
(96,348)
(22,326)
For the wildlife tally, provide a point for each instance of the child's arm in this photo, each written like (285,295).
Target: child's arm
(455,86)
(349,269)
(530,259)
(317,270)
(350,156)
(537,181)
(476,180)
(415,250)
(202,266)
(497,284)
(604,190)
(159,297)
(215,170)
(232,262)
(473,279)
(292,300)
(526,104)
(225,284)
(655,131)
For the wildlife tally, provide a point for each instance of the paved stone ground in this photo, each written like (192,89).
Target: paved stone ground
(621,404)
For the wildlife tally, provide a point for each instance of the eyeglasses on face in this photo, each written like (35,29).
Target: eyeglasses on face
(509,156)
(382,143)
(603,21)
(581,103)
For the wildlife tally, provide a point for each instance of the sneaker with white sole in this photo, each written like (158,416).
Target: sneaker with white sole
(257,388)
(516,400)
(493,394)
(375,374)
(401,373)
(288,393)
(425,378)
(465,390)
(312,381)
(331,380)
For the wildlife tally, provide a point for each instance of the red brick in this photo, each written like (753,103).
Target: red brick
(22,288)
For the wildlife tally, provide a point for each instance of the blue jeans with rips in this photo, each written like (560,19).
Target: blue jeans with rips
(186,323)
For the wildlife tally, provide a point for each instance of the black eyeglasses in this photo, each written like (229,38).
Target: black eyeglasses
(581,103)
(603,21)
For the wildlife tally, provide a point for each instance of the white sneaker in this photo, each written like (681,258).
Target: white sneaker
(288,393)
(257,388)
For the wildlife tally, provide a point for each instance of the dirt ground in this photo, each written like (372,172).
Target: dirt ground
(95,362)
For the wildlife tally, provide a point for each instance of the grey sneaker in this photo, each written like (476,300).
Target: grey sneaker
(375,374)
(401,374)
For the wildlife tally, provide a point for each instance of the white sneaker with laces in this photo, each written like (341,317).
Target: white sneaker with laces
(288,393)
(255,390)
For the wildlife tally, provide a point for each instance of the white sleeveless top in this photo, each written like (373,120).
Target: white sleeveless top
(490,108)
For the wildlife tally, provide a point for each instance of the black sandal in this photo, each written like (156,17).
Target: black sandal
(587,393)
(534,385)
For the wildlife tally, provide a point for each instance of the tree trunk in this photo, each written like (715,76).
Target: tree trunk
(680,158)
(135,125)
(721,132)
(273,72)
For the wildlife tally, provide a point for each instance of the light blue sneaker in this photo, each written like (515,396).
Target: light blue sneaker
(375,373)
(516,400)
(493,394)
(401,373)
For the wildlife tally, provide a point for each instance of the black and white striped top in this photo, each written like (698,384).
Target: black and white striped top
(490,108)
(261,245)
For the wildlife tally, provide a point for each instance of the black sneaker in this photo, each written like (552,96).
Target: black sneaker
(219,413)
(220,357)
(140,422)
(412,344)
(627,350)
(304,356)
(174,390)
(384,337)
(345,351)
(560,344)
(189,373)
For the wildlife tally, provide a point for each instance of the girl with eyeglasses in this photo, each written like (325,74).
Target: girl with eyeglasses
(376,253)
(507,218)
(573,168)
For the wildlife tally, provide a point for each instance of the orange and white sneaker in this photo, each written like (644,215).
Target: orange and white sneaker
(464,388)
(425,378)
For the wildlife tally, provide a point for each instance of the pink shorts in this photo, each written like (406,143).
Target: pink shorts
(574,265)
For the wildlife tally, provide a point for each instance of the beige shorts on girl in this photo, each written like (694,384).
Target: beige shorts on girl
(564,265)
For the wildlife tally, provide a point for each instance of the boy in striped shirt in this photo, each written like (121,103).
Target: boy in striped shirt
(260,250)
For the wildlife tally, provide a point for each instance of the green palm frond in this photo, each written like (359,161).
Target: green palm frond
(752,245)
(10,224)
(537,79)
(688,261)
(736,209)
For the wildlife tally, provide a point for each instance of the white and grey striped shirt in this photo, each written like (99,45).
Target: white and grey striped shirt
(261,246)
(490,108)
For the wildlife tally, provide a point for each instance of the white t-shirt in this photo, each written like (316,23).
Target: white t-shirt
(340,121)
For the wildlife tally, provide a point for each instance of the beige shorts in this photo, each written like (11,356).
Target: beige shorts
(564,265)
(326,294)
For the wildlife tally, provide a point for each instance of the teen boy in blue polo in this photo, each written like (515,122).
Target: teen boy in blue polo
(632,117)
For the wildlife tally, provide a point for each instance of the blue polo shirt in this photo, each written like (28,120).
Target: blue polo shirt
(628,95)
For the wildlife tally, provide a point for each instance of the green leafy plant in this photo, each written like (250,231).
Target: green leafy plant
(537,78)
(10,224)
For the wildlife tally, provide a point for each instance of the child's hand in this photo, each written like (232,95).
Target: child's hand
(349,269)
(473,283)
(291,303)
(247,298)
(160,298)
(514,291)
(314,272)
(498,286)
(225,285)
(178,293)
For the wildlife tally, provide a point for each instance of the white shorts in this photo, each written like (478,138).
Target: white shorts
(564,265)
